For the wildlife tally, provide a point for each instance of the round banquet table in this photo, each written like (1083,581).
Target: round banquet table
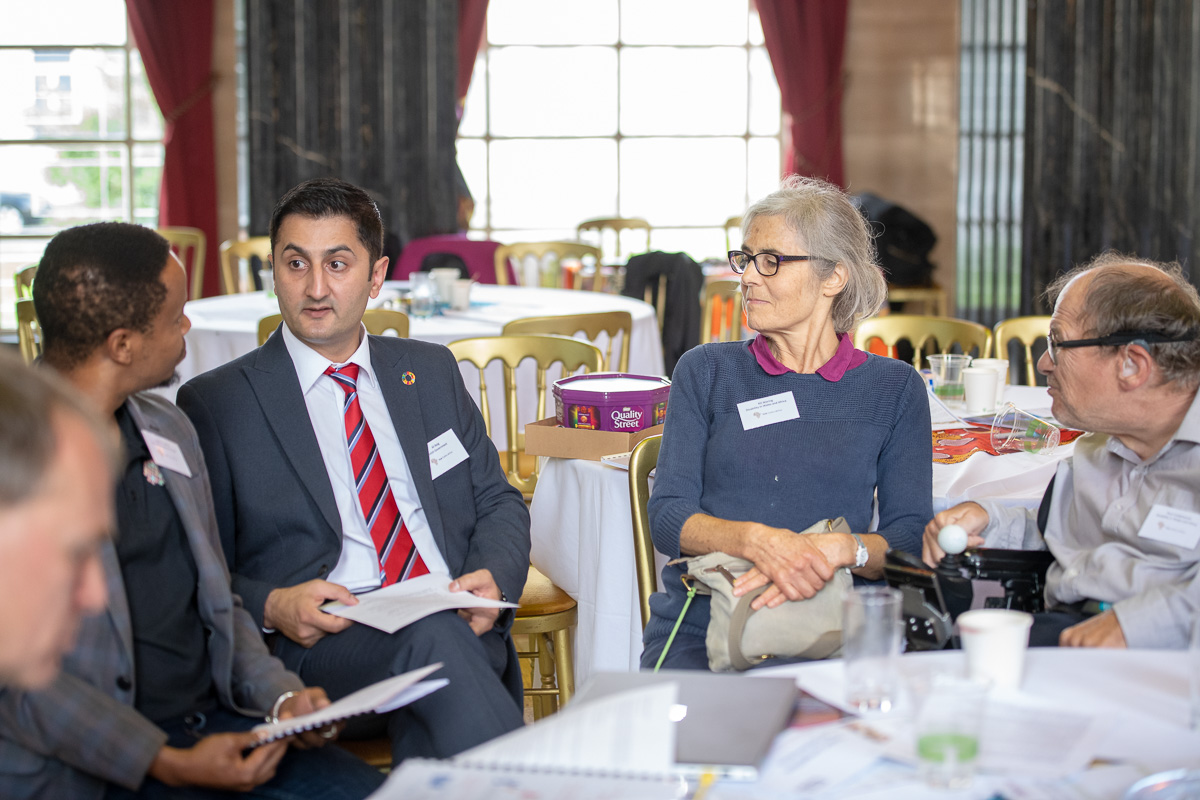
(582,533)
(226,327)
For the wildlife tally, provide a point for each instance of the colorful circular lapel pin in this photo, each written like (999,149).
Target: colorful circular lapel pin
(152,473)
(408,378)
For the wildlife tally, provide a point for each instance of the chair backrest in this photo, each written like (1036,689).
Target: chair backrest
(378,321)
(23,278)
(1029,331)
(733,229)
(643,459)
(573,354)
(478,255)
(616,227)
(549,257)
(592,325)
(190,244)
(232,255)
(919,330)
(381,320)
(722,312)
(29,337)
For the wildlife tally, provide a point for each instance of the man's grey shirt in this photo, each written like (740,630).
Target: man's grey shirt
(1102,497)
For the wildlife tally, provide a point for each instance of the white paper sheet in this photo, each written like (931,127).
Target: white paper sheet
(391,608)
(386,695)
(629,733)
(444,780)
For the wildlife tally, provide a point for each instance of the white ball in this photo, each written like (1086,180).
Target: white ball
(952,539)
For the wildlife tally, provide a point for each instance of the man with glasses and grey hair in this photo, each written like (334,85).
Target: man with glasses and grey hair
(1122,515)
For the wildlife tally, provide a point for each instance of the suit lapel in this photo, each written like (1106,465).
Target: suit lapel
(118,603)
(404,406)
(273,379)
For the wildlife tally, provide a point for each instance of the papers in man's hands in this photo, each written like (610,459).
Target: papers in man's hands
(391,608)
(387,695)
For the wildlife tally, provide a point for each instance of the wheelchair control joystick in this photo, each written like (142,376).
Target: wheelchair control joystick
(957,592)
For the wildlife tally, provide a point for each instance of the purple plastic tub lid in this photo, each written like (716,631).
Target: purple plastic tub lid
(612,387)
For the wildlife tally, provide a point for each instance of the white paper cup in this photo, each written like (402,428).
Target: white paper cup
(444,278)
(995,641)
(979,389)
(461,299)
(1001,367)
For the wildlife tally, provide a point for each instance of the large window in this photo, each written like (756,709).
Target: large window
(661,109)
(80,133)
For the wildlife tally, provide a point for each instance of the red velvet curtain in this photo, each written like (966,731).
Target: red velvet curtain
(472,14)
(175,39)
(806,40)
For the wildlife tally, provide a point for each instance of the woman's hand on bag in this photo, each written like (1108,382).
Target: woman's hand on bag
(797,566)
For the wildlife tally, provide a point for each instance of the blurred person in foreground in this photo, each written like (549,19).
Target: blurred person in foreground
(158,697)
(1122,515)
(766,437)
(56,509)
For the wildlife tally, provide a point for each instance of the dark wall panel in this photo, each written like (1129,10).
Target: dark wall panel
(1112,134)
(358,89)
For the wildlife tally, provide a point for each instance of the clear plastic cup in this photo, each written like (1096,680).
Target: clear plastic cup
(871,647)
(1014,431)
(947,376)
(948,730)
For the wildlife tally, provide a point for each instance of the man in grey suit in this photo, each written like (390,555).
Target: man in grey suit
(309,513)
(56,509)
(158,696)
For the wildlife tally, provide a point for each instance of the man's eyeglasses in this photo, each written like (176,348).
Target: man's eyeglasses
(1117,338)
(767,264)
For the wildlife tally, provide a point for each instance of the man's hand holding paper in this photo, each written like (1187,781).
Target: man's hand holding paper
(392,607)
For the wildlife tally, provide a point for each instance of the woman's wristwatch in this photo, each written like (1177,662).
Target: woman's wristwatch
(860,552)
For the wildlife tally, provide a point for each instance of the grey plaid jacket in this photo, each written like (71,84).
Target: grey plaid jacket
(68,740)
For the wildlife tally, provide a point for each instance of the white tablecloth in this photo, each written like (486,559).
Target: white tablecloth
(583,534)
(226,327)
(1143,694)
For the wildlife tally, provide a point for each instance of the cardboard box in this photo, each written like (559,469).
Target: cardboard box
(545,438)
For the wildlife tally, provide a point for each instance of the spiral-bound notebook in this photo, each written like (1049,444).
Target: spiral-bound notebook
(386,695)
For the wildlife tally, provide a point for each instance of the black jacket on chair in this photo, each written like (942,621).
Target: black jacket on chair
(681,317)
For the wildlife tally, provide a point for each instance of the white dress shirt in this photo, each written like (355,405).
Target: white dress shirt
(1096,530)
(358,566)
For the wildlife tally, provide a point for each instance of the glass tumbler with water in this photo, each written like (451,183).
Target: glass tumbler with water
(424,295)
(871,647)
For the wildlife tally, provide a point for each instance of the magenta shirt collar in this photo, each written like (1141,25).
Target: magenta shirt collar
(844,359)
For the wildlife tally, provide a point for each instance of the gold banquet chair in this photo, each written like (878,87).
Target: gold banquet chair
(233,253)
(29,336)
(1028,331)
(722,312)
(642,460)
(23,278)
(551,258)
(545,617)
(617,227)
(733,230)
(920,331)
(592,325)
(573,354)
(379,322)
(546,613)
(190,245)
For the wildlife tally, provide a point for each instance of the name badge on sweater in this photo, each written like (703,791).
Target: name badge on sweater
(1172,525)
(166,453)
(768,410)
(445,452)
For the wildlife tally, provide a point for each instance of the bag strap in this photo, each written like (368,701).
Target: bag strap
(737,625)
(691,587)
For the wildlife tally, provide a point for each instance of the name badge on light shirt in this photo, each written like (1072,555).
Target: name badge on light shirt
(445,452)
(1171,525)
(768,410)
(166,453)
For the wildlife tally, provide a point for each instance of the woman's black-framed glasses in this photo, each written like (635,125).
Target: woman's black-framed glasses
(767,264)
(1116,339)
